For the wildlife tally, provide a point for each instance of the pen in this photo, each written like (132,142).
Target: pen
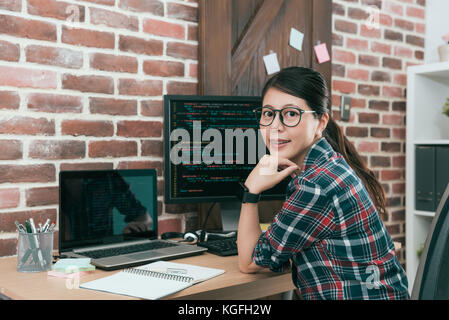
(36,241)
(170,271)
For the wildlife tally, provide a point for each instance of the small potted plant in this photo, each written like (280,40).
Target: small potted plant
(446,107)
(443,50)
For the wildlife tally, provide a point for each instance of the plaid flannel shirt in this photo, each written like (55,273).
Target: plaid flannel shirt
(331,231)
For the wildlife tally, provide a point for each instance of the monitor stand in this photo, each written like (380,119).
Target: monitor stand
(230,214)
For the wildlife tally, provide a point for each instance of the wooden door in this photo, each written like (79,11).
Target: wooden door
(235,35)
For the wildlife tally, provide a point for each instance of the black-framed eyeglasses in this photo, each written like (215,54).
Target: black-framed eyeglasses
(290,116)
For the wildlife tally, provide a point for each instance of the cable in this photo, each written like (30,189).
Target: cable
(203,229)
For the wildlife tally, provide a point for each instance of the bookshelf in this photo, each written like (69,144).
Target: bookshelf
(427,90)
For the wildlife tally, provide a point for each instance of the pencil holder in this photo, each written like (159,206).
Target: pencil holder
(34,252)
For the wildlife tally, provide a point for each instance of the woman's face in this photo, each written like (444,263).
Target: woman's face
(291,143)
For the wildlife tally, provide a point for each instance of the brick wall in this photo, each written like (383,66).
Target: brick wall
(370,65)
(81,86)
(88,95)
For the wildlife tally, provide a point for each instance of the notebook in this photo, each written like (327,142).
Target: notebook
(151,282)
(111,216)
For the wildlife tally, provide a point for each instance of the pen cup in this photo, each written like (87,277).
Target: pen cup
(34,252)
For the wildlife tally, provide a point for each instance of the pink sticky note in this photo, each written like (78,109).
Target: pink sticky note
(321,53)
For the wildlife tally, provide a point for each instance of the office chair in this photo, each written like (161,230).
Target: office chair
(432,277)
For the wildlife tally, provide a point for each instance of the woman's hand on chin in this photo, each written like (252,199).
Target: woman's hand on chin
(270,171)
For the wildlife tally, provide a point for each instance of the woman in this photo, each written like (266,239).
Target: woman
(329,226)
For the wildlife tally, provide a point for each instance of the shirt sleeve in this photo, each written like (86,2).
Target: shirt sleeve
(305,217)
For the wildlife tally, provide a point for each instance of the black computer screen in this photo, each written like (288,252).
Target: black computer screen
(211,143)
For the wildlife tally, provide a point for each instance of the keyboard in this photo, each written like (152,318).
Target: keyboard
(221,247)
(110,252)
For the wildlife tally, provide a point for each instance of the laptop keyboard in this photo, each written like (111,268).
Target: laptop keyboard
(110,252)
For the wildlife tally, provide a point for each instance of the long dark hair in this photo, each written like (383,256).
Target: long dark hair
(310,86)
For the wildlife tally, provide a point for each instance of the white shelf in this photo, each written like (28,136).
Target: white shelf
(429,214)
(427,91)
(431,141)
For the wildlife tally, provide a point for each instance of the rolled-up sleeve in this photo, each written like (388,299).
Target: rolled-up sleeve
(305,217)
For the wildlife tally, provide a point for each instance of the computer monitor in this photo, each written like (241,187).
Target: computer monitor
(432,277)
(211,144)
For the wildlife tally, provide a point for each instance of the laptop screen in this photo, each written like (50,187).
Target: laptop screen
(106,206)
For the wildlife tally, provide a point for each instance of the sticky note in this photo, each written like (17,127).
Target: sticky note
(271,63)
(321,53)
(296,39)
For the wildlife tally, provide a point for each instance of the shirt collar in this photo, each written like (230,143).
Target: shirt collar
(319,151)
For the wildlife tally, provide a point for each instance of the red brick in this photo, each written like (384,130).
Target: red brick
(9,198)
(142,165)
(42,196)
(11,150)
(11,5)
(358,132)
(368,117)
(56,9)
(182,50)
(26,126)
(178,87)
(403,52)
(358,74)
(140,87)
(27,78)
(164,29)
(149,47)
(88,38)
(388,175)
(115,149)
(172,225)
(152,148)
(392,92)
(130,128)
(9,51)
(380,132)
(163,68)
(345,26)
(404,24)
(416,12)
(26,28)
(182,12)
(27,173)
(393,119)
(154,7)
(103,2)
(343,86)
(9,100)
(399,161)
(380,161)
(370,32)
(86,166)
(7,218)
(60,57)
(385,20)
(8,247)
(399,133)
(109,62)
(193,70)
(192,32)
(87,128)
(152,108)
(380,47)
(99,84)
(369,60)
(368,90)
(55,150)
(113,106)
(54,103)
(113,19)
(391,146)
(394,8)
(343,56)
(368,146)
(380,76)
(357,44)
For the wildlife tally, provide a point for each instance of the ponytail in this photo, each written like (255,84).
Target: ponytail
(334,135)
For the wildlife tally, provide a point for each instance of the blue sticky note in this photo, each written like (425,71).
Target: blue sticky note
(296,39)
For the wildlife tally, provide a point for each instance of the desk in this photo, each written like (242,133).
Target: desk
(231,285)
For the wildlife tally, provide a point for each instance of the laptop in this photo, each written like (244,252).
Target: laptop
(111,216)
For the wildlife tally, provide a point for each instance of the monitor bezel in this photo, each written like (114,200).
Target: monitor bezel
(65,246)
(168,198)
